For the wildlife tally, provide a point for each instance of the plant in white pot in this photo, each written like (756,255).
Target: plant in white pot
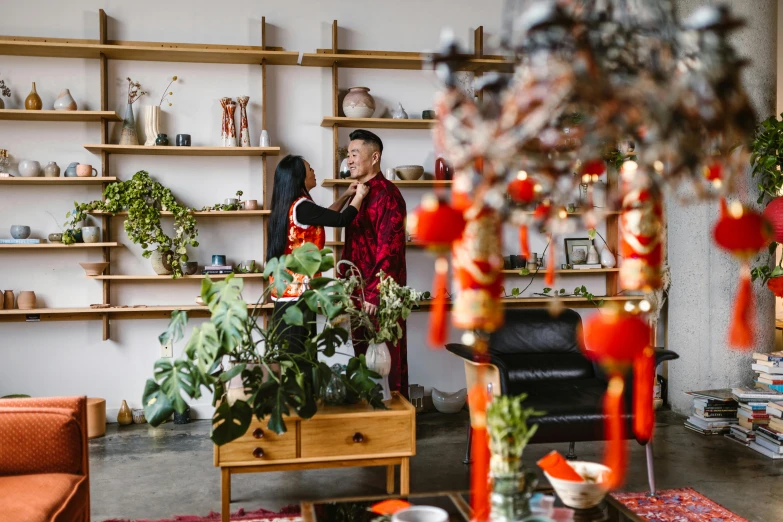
(395,305)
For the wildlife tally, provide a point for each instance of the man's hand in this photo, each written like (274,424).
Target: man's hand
(369,308)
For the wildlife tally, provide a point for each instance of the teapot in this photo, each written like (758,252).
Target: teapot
(70,172)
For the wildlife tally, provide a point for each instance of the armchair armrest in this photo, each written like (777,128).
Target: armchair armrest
(662,355)
(466,353)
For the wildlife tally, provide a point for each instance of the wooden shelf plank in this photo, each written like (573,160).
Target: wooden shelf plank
(397,60)
(215,214)
(130,312)
(411,244)
(542,272)
(60,246)
(376,123)
(539,302)
(165,278)
(183,151)
(59,116)
(19,180)
(419,183)
(145,51)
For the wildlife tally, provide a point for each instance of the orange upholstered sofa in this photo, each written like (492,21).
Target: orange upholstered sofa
(44,464)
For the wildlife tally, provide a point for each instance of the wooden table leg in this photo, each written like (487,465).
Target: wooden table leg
(405,478)
(390,479)
(225,489)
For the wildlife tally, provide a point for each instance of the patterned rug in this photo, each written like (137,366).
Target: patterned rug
(287,514)
(676,505)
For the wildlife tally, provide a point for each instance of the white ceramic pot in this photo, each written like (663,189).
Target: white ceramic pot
(65,101)
(607,258)
(400,113)
(160,264)
(582,495)
(91,234)
(29,168)
(421,514)
(358,103)
(379,361)
(449,402)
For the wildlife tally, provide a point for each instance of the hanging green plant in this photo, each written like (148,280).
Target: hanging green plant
(144,199)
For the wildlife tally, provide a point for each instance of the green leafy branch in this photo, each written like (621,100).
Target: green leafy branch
(224,207)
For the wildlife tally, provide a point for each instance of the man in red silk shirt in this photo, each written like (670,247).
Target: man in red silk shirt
(375,241)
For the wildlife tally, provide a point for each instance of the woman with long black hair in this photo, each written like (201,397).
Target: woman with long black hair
(296,220)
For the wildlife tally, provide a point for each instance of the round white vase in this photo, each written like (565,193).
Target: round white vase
(607,258)
(65,101)
(29,168)
(379,360)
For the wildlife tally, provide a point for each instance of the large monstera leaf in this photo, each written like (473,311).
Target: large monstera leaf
(276,269)
(176,329)
(230,421)
(203,347)
(326,296)
(304,260)
(166,392)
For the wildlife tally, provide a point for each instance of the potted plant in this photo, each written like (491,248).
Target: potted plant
(144,199)
(235,335)
(509,433)
(395,305)
(766,158)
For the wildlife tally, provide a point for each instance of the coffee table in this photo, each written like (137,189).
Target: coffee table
(455,503)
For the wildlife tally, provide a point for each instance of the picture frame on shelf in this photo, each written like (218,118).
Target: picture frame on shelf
(576,249)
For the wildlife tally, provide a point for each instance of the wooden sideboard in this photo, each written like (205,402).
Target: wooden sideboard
(336,437)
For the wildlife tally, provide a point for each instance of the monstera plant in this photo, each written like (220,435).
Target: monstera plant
(276,381)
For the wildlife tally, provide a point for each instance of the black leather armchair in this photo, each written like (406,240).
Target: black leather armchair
(538,354)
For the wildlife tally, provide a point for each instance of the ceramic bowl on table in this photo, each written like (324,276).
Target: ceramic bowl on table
(20,231)
(94,269)
(409,172)
(449,402)
(421,514)
(582,495)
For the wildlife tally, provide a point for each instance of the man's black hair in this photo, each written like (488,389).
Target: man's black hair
(367,137)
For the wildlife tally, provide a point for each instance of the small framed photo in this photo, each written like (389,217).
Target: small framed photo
(576,250)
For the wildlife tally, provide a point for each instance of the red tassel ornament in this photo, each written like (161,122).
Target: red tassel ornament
(479,452)
(744,314)
(549,279)
(643,391)
(524,245)
(616,453)
(438,324)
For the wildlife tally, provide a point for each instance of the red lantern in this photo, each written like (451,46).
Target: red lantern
(742,232)
(618,340)
(774,214)
(522,189)
(714,173)
(776,285)
(437,225)
(594,167)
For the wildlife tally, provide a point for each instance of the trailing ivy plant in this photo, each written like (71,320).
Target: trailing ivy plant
(276,380)
(221,206)
(144,199)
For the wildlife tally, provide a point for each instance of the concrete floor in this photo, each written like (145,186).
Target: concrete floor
(151,473)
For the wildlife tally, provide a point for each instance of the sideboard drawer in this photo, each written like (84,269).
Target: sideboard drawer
(362,435)
(266,447)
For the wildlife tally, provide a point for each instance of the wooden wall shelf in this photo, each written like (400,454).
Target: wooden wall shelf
(59,246)
(19,180)
(182,151)
(542,272)
(215,214)
(541,302)
(411,244)
(356,59)
(165,278)
(60,116)
(419,183)
(376,123)
(145,51)
(87,314)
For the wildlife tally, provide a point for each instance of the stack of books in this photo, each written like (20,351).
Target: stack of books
(741,434)
(586,266)
(715,412)
(769,438)
(753,414)
(218,269)
(769,371)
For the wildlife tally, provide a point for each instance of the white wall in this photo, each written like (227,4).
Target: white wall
(69,358)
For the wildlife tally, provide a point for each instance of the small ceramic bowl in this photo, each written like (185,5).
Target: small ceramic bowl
(189,267)
(138,416)
(582,495)
(449,402)
(20,231)
(250,204)
(231,201)
(409,172)
(421,514)
(428,115)
(94,269)
(56,238)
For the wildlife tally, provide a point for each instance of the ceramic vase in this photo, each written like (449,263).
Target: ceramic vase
(26,300)
(231,129)
(33,101)
(335,391)
(8,300)
(358,103)
(151,124)
(592,255)
(511,490)
(162,140)
(65,101)
(160,262)
(124,416)
(379,361)
(224,122)
(29,168)
(400,113)
(51,170)
(2,103)
(607,258)
(244,134)
(442,169)
(265,141)
(128,135)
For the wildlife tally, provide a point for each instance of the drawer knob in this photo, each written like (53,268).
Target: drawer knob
(258,453)
(258,433)
(358,437)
